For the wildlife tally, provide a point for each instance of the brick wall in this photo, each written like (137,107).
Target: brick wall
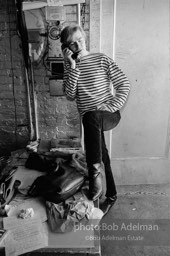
(14,131)
(57,117)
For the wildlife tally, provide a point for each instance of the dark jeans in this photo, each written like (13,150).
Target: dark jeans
(95,123)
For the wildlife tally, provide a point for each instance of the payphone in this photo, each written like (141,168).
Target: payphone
(44,21)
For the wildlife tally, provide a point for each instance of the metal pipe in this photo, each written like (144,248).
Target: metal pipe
(78,15)
(29,106)
(81,126)
(113,56)
(34,103)
(114,27)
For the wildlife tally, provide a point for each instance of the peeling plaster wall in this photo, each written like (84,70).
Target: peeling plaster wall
(57,117)
(14,130)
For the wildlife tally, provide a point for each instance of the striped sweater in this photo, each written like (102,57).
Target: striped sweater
(89,84)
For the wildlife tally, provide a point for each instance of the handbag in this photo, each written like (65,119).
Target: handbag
(58,186)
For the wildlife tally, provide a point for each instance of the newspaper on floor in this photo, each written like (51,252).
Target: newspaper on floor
(25,235)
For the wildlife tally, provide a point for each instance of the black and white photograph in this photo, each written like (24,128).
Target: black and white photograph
(85,127)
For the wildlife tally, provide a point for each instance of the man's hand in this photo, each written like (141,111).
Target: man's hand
(67,54)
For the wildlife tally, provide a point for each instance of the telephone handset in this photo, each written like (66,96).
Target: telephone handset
(74,55)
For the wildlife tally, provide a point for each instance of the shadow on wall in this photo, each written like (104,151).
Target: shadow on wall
(11,141)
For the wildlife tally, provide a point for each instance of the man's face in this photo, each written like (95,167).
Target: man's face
(77,43)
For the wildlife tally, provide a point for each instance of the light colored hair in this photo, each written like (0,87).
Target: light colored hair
(68,31)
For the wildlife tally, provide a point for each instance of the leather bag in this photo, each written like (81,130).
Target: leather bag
(58,186)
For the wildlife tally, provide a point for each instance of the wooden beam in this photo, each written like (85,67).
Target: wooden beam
(70,2)
(40,4)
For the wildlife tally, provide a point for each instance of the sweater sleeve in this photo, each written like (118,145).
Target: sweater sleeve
(121,85)
(70,80)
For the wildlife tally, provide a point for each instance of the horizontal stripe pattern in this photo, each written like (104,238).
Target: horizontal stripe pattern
(89,84)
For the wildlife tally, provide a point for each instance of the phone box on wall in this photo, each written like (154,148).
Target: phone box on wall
(54,13)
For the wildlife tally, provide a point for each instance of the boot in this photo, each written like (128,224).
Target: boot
(107,204)
(95,181)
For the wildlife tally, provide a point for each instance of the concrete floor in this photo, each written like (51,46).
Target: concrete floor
(137,202)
